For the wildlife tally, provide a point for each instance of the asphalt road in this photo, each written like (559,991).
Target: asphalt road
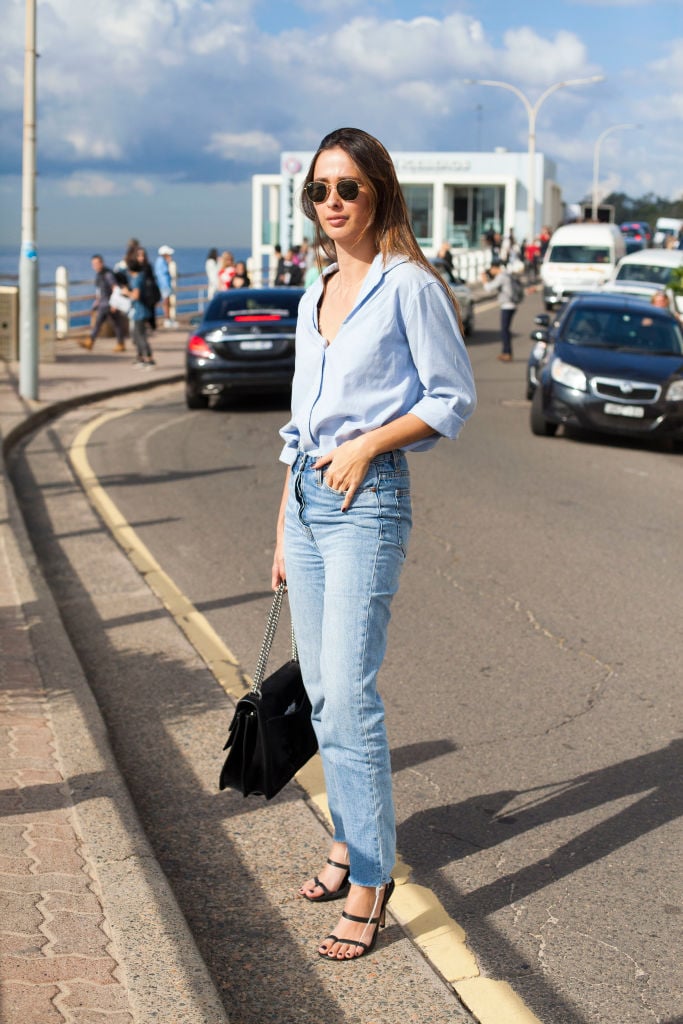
(532,682)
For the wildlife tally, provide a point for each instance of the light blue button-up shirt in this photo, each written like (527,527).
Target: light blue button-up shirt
(399,350)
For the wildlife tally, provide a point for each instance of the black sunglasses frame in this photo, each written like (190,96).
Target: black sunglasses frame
(313,189)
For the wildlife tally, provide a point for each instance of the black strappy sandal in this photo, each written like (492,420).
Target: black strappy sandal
(366,947)
(331,894)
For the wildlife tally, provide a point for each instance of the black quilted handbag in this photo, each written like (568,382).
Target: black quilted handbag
(271,736)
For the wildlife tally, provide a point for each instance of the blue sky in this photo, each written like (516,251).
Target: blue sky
(154,114)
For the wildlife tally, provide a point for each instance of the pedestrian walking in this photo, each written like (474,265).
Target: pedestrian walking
(381,369)
(106,286)
(510,291)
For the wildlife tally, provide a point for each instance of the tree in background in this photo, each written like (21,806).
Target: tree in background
(646,208)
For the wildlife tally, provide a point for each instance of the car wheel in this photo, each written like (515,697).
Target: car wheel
(468,327)
(196,401)
(539,424)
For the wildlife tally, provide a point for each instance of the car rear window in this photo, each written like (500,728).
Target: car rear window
(579,254)
(645,273)
(623,329)
(280,304)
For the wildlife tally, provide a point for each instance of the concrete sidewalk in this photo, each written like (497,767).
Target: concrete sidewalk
(89,928)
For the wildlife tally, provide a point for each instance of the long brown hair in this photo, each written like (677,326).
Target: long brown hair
(390,220)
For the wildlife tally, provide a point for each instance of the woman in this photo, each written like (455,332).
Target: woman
(240,279)
(211,270)
(381,368)
(226,270)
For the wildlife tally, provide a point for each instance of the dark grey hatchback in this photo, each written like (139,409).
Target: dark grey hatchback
(245,342)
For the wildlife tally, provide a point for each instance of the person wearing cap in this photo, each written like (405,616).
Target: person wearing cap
(162,272)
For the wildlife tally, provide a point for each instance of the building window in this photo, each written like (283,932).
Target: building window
(419,200)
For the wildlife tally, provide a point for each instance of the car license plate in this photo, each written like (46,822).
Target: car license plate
(635,411)
(256,346)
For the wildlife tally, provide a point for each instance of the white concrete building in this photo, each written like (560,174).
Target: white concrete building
(454,197)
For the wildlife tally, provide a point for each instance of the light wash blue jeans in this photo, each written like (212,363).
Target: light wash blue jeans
(342,571)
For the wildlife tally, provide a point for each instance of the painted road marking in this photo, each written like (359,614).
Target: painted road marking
(441,939)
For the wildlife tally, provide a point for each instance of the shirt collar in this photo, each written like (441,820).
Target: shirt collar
(378,268)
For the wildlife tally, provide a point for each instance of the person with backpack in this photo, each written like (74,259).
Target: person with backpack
(151,295)
(510,292)
(139,291)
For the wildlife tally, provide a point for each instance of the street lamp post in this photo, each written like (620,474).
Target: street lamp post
(28,260)
(532,112)
(596,162)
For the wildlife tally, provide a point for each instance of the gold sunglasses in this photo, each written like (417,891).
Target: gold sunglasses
(347,189)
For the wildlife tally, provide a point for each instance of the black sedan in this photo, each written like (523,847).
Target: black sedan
(610,363)
(245,342)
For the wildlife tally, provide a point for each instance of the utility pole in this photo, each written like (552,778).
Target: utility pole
(28,260)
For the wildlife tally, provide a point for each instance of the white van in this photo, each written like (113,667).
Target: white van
(666,227)
(646,272)
(579,258)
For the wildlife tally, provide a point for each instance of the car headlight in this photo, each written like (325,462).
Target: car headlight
(570,376)
(675,392)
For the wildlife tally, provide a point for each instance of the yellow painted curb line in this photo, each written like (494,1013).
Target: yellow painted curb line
(441,939)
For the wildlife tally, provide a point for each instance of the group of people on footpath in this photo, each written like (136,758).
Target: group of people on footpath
(222,272)
(128,295)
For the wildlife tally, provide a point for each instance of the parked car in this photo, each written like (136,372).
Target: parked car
(637,235)
(244,342)
(462,293)
(611,363)
(644,273)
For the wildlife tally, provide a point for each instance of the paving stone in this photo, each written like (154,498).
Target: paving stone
(56,856)
(73,903)
(12,841)
(19,912)
(75,935)
(20,946)
(29,1004)
(44,969)
(50,828)
(11,866)
(81,995)
(38,776)
(45,883)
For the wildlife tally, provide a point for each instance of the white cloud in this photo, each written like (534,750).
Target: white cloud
(92,186)
(85,145)
(247,146)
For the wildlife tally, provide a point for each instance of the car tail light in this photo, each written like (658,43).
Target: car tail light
(256,318)
(198,347)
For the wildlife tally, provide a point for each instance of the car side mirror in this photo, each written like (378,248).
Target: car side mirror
(541,335)
(543,320)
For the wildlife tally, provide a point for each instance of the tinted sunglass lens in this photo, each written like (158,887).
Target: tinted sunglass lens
(347,190)
(317,191)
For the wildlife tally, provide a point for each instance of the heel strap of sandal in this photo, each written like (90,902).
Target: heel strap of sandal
(336,864)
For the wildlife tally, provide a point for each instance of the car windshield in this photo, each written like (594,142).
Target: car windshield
(281,302)
(623,330)
(579,254)
(644,273)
